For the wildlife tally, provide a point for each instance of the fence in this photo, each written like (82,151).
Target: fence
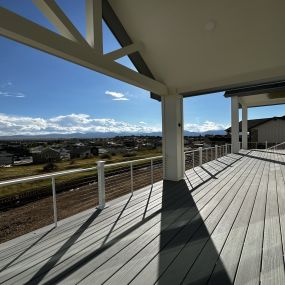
(203,155)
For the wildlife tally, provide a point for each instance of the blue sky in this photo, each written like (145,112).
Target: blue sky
(40,93)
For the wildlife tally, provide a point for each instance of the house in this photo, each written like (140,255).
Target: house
(64,154)
(47,155)
(271,130)
(6,158)
(83,152)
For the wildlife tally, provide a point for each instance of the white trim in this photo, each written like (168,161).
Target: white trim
(116,54)
(57,17)
(27,32)
(94,32)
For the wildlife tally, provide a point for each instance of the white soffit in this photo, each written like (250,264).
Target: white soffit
(265,99)
(208,45)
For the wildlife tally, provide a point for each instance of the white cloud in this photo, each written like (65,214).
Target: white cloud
(204,127)
(117,96)
(121,99)
(12,94)
(83,123)
(65,124)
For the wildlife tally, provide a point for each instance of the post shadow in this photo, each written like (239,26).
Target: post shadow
(185,231)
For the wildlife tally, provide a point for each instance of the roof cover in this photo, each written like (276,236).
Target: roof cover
(205,46)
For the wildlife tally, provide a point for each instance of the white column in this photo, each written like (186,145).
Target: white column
(235,124)
(101,184)
(244,127)
(172,137)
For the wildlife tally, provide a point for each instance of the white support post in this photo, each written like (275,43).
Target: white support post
(101,184)
(132,178)
(216,152)
(266,144)
(151,170)
(226,149)
(54,201)
(244,127)
(200,156)
(235,124)
(173,137)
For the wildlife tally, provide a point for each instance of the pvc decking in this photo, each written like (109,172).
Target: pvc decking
(224,224)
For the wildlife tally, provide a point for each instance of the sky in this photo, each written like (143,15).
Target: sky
(41,94)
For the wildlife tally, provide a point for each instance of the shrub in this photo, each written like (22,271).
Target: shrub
(50,167)
(130,154)
(105,156)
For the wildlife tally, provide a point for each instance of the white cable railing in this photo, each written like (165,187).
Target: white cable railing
(194,158)
(110,178)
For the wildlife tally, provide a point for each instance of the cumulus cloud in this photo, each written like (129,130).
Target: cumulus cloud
(117,96)
(66,124)
(204,127)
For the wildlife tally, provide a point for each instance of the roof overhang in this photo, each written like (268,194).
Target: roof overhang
(202,47)
(192,47)
(258,96)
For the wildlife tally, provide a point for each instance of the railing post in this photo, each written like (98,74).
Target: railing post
(216,152)
(132,178)
(54,201)
(207,155)
(200,156)
(101,184)
(265,144)
(226,149)
(151,170)
(193,157)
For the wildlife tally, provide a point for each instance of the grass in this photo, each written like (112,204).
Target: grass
(29,170)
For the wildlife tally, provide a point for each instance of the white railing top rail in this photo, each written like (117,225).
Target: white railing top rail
(132,161)
(67,172)
(206,148)
(45,176)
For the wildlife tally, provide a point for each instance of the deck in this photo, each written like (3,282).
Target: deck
(225,224)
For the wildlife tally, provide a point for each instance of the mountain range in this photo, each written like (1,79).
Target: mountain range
(102,135)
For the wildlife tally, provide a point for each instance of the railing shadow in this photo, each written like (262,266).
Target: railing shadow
(27,249)
(263,158)
(182,243)
(211,175)
(272,152)
(44,270)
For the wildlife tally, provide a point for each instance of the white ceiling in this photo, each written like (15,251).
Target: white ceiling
(198,45)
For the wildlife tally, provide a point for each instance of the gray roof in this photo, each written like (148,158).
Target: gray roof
(256,122)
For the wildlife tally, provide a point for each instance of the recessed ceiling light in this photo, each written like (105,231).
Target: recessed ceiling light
(210,26)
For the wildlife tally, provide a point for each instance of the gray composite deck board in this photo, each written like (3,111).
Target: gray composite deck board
(272,270)
(230,255)
(224,224)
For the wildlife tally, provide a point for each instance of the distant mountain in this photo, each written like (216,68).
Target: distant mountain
(101,135)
